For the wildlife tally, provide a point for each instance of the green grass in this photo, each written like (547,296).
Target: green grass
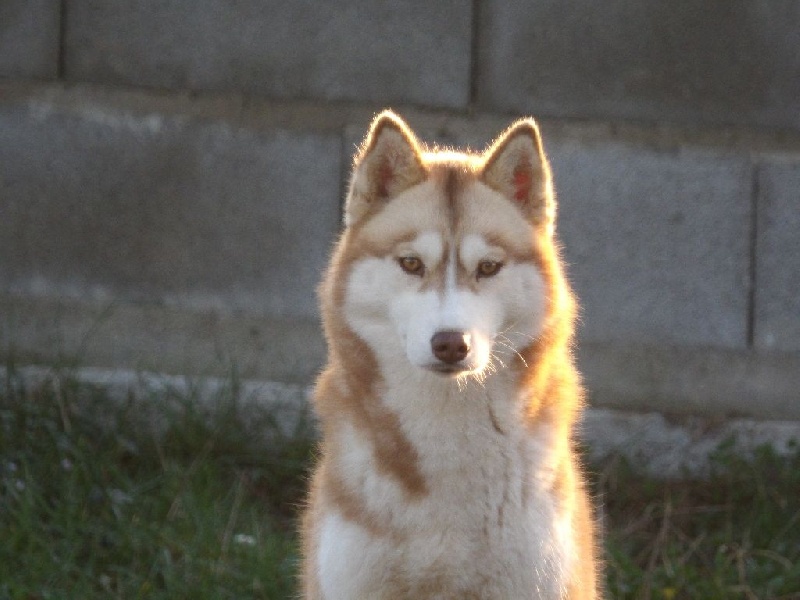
(189,512)
(96,502)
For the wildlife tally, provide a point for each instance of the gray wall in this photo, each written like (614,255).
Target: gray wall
(171,174)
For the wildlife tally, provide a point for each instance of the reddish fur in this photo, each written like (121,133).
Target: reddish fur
(383,179)
(522,184)
(347,391)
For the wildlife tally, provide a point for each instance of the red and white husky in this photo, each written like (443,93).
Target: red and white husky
(447,468)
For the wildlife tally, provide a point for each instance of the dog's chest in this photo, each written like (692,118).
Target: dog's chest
(488,526)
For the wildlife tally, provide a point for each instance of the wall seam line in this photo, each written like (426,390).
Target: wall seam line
(472,101)
(755,192)
(62,36)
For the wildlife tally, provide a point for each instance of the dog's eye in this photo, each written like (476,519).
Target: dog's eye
(488,268)
(411,265)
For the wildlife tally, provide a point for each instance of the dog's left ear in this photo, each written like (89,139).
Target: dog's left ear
(516,166)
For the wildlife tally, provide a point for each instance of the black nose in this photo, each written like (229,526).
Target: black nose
(450,346)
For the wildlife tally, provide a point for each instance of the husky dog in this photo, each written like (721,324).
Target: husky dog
(447,468)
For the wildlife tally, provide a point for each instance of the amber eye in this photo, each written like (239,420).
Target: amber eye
(488,268)
(411,265)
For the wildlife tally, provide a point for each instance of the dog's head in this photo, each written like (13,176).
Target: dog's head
(447,260)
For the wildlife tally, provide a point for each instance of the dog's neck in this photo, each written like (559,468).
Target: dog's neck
(418,396)
(465,426)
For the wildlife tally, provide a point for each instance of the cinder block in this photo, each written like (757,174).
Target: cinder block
(668,448)
(657,242)
(777,297)
(389,52)
(722,61)
(146,208)
(686,380)
(150,337)
(29,38)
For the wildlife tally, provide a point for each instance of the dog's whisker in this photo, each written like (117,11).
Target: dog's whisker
(513,350)
(495,357)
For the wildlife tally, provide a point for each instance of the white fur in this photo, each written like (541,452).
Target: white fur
(340,576)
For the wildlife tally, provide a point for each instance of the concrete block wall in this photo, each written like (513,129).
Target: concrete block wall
(406,51)
(718,61)
(171,176)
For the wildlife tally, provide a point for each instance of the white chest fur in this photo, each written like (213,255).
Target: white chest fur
(488,525)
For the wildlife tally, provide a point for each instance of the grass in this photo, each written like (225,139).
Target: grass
(93,510)
(736,535)
(97,502)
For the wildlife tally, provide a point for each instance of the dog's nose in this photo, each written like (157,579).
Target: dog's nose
(450,346)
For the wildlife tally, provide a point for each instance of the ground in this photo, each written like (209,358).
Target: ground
(98,500)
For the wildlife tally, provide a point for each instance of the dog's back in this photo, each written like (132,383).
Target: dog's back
(447,406)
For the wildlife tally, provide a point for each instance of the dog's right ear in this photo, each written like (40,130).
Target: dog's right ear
(388,163)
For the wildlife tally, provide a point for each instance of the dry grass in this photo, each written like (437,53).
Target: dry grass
(736,535)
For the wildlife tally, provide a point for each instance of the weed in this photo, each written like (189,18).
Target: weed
(735,535)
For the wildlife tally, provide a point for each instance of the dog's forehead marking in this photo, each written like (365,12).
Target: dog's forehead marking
(451,210)
(451,279)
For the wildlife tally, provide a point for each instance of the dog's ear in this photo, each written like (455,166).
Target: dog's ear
(515,166)
(388,163)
